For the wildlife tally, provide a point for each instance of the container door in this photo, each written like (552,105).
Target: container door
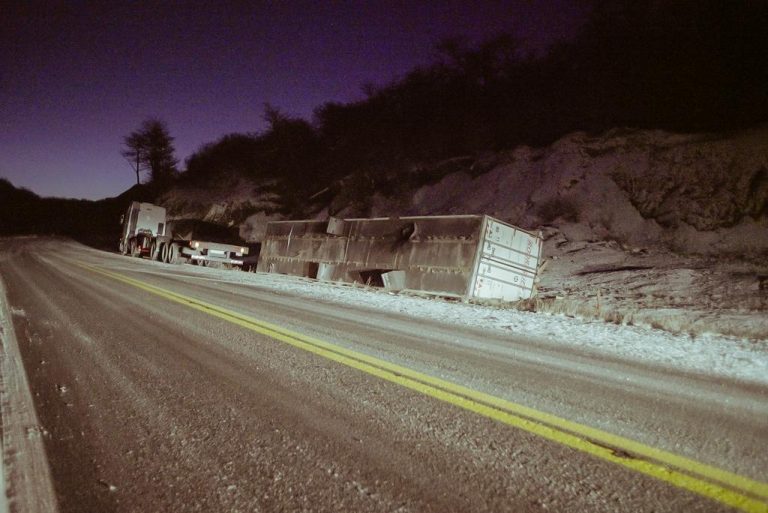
(507,262)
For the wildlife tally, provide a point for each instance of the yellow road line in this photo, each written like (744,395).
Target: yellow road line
(721,485)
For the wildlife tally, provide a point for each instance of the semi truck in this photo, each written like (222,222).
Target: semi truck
(147,233)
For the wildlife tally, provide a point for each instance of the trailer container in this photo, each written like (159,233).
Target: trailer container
(469,256)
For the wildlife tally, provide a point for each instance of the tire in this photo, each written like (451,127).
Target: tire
(135,251)
(153,252)
(123,248)
(164,251)
(174,254)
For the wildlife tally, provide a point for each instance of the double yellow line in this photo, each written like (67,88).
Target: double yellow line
(720,485)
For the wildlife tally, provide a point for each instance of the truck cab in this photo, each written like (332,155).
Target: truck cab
(142,224)
(146,232)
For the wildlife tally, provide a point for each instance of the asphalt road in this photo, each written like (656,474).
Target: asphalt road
(149,403)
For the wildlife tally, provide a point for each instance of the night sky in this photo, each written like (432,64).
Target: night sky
(76,77)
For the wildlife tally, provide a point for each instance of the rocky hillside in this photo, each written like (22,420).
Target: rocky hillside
(691,193)
(669,230)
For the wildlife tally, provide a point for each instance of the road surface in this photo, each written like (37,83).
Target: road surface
(158,388)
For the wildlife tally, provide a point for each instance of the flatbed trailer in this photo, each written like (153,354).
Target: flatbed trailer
(208,254)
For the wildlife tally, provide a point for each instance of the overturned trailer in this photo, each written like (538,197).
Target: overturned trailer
(469,256)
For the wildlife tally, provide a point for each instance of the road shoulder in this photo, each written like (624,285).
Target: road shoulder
(25,476)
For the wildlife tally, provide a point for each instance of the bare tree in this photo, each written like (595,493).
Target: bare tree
(150,149)
(134,152)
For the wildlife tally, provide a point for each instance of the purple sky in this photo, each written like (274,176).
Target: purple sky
(76,77)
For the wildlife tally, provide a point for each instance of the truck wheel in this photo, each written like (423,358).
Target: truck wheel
(175,257)
(135,251)
(153,251)
(164,250)
(123,248)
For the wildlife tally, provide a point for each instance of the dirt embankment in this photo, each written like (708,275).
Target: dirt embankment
(641,227)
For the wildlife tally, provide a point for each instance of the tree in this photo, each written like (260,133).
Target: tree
(134,152)
(289,149)
(236,154)
(150,149)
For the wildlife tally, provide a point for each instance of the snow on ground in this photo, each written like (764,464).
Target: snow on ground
(708,354)
(692,294)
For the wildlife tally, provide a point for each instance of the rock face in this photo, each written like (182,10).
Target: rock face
(705,183)
(693,193)
(699,194)
(640,227)
(254,228)
(231,202)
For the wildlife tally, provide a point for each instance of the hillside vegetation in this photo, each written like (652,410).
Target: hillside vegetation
(684,66)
